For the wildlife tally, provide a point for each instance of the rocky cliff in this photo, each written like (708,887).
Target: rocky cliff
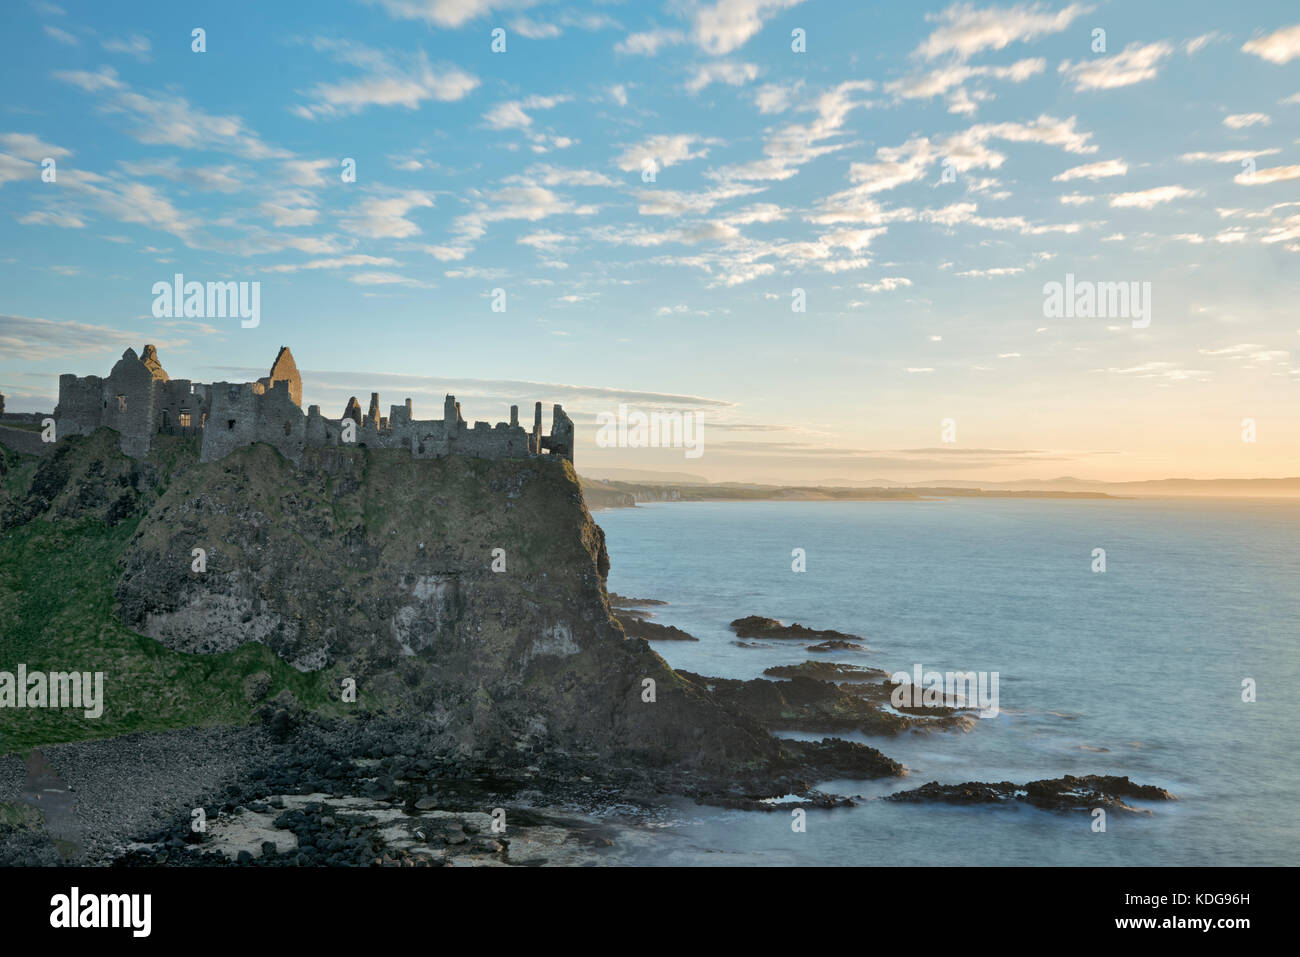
(371,566)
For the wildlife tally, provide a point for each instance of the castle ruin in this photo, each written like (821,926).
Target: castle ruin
(139,400)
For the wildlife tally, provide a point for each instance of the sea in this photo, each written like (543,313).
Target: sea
(1178,665)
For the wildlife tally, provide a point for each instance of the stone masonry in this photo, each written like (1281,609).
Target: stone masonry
(139,400)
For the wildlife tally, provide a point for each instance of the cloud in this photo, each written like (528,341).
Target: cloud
(122,200)
(289,216)
(51,218)
(166,119)
(943,79)
(544,240)
(727,25)
(30,147)
(338,262)
(1240,121)
(105,78)
(1092,171)
(512,115)
(662,150)
(445,13)
(723,71)
(528,202)
(543,174)
(1147,198)
(1133,65)
(386,80)
(534,29)
(386,279)
(887,284)
(217,179)
(1160,370)
(966,31)
(1197,44)
(991,273)
(501,393)
(665,202)
(1280,46)
(63,36)
(790,147)
(774,98)
(965,150)
(649,42)
(135,46)
(1226,156)
(1275,174)
(384,217)
(24,337)
(306,172)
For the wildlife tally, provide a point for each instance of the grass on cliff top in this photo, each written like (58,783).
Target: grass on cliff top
(57,577)
(56,598)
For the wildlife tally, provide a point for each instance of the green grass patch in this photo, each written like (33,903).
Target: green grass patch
(18,816)
(56,614)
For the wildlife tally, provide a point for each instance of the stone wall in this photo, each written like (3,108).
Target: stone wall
(81,404)
(241,415)
(129,404)
(179,400)
(24,440)
(139,400)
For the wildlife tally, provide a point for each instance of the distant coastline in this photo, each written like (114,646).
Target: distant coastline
(611,494)
(646,487)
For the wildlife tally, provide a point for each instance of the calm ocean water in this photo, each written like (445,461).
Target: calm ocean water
(1136,671)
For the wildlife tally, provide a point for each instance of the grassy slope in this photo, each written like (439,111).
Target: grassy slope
(56,598)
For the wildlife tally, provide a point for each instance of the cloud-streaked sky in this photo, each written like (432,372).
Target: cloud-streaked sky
(650,184)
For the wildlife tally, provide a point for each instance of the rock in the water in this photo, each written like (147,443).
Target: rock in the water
(755,626)
(1068,793)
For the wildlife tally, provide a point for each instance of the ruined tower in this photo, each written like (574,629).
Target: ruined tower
(284,369)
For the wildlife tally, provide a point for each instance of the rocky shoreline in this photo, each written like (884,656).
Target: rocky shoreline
(381,788)
(303,791)
(300,789)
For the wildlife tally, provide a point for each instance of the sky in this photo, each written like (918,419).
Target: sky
(824,231)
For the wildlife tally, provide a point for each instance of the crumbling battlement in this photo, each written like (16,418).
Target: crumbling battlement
(139,400)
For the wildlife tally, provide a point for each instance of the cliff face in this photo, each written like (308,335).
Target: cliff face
(372,565)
